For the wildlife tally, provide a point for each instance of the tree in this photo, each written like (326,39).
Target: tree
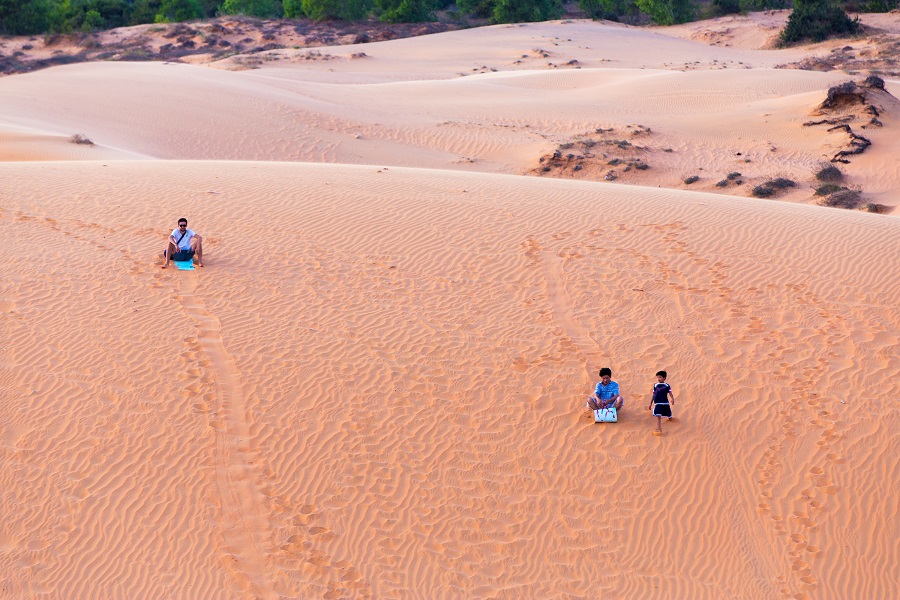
(667,12)
(174,11)
(18,17)
(144,11)
(263,9)
(518,11)
(336,9)
(726,7)
(477,8)
(405,11)
(612,10)
(817,20)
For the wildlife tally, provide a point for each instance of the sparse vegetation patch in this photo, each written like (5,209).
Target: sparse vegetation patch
(843,199)
(81,139)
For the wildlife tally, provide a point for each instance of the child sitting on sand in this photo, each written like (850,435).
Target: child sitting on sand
(659,400)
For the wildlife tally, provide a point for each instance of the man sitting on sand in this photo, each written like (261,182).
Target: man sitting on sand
(607,392)
(184,244)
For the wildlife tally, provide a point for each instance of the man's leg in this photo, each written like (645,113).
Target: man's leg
(197,247)
(168,252)
(619,402)
(592,404)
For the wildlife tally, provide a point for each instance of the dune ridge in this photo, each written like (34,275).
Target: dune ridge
(493,99)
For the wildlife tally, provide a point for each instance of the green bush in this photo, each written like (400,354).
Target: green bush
(477,8)
(817,20)
(612,10)
(174,11)
(667,12)
(530,11)
(405,11)
(263,9)
(725,7)
(24,18)
(349,10)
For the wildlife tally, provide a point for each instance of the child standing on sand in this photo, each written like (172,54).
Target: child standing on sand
(659,401)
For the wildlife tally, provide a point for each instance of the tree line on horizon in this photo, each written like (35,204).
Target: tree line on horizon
(811,19)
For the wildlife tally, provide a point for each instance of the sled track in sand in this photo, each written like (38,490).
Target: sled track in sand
(245,528)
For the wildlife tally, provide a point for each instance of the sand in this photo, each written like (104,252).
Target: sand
(375,387)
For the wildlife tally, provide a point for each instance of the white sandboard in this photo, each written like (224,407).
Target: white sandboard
(606,415)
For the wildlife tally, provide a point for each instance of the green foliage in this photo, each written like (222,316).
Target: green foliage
(144,11)
(263,9)
(667,12)
(725,7)
(66,16)
(293,9)
(477,8)
(174,11)
(758,5)
(611,10)
(24,18)
(336,9)
(519,11)
(405,11)
(817,20)
(871,6)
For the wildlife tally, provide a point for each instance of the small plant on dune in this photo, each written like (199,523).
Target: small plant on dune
(781,183)
(82,139)
(762,191)
(829,173)
(691,179)
(772,187)
(828,189)
(843,199)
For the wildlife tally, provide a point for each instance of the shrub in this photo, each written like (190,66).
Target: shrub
(517,11)
(829,173)
(667,12)
(828,188)
(252,8)
(817,20)
(336,9)
(781,183)
(843,199)
(82,139)
(405,11)
(692,179)
(763,191)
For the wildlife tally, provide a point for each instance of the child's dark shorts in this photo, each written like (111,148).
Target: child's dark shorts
(662,410)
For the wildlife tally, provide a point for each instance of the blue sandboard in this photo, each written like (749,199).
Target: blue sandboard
(606,415)
(184,265)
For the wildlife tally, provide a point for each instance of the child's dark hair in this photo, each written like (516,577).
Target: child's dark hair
(661,374)
(605,371)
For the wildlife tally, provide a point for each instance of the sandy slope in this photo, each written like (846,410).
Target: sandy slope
(374,389)
(389,405)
